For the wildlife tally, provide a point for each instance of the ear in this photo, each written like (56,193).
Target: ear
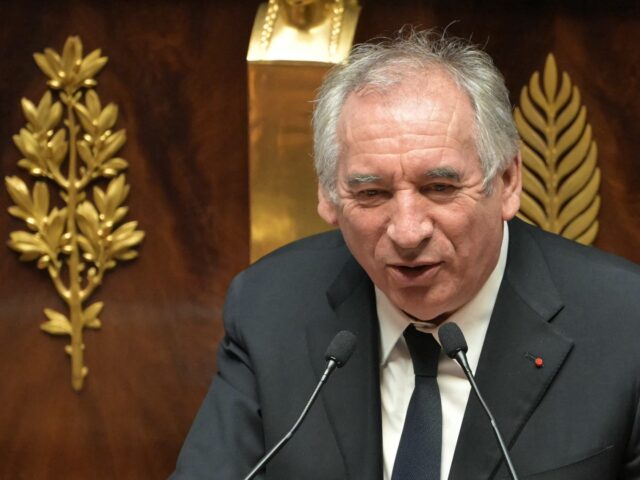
(327,210)
(511,188)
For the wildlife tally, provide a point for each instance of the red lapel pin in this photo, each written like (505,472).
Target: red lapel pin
(537,361)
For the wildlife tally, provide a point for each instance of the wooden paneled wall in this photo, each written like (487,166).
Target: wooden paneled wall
(178,73)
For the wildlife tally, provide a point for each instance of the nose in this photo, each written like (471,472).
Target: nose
(409,225)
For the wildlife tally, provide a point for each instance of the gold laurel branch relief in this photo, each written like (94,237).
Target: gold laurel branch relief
(560,174)
(68,145)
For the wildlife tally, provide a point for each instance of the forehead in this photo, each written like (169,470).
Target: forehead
(429,106)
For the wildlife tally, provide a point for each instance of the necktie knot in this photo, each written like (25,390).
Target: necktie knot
(424,351)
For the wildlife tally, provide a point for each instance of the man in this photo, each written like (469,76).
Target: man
(418,166)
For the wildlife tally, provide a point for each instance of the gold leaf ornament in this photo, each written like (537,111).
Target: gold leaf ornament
(76,243)
(90,315)
(57,324)
(43,147)
(560,173)
(70,71)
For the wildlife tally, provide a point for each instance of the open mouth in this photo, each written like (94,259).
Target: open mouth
(413,271)
(417,270)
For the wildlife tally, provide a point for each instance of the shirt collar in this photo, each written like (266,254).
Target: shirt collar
(472,318)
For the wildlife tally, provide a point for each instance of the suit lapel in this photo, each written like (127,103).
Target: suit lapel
(352,397)
(512,385)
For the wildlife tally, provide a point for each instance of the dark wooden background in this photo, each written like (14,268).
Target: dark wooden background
(177,72)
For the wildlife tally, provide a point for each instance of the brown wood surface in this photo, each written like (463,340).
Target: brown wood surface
(177,72)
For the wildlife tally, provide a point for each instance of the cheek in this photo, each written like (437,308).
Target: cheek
(363,231)
(466,228)
(455,221)
(476,238)
(364,222)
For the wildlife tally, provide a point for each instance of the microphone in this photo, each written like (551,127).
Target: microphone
(455,346)
(338,353)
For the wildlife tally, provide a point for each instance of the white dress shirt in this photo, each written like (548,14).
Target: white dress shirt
(396,370)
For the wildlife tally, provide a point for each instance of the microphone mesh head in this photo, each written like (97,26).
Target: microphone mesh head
(452,339)
(341,347)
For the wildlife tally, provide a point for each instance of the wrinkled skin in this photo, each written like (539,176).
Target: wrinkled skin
(411,199)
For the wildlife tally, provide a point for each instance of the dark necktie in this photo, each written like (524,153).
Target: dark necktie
(420,448)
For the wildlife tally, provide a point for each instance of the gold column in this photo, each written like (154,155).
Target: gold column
(293,44)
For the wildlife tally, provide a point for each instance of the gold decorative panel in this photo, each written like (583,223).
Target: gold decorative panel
(303,31)
(293,44)
(77,239)
(560,173)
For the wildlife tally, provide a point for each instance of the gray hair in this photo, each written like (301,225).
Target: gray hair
(389,62)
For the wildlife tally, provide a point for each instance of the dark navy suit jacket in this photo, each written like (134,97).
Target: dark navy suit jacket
(575,418)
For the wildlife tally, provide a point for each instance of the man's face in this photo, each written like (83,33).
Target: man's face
(411,203)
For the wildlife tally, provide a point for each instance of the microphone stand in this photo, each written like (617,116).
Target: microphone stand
(331,365)
(461,358)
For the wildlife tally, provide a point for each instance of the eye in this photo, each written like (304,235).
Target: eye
(368,193)
(438,188)
(371,196)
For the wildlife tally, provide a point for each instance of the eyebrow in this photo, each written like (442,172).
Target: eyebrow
(360,178)
(443,172)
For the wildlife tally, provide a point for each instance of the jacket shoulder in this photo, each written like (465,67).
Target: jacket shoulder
(292,279)
(563,253)
(316,255)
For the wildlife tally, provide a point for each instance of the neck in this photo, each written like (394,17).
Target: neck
(434,321)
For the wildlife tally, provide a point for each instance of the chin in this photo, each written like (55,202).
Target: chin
(416,308)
